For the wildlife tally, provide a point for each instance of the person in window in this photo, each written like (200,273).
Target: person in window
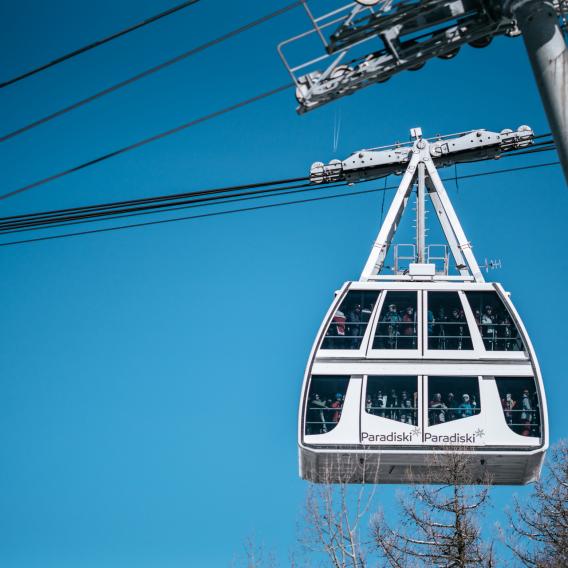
(380,404)
(354,327)
(337,404)
(508,404)
(369,405)
(337,329)
(465,408)
(489,329)
(526,414)
(393,405)
(392,320)
(477,315)
(409,328)
(457,320)
(437,410)
(452,407)
(317,417)
(406,408)
(441,320)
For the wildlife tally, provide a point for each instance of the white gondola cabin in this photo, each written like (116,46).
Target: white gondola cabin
(421,361)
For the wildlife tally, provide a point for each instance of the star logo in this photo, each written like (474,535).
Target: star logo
(416,431)
(479,433)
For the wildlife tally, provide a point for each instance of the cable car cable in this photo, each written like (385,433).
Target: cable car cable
(255,208)
(148,72)
(98,43)
(192,204)
(154,208)
(148,140)
(158,198)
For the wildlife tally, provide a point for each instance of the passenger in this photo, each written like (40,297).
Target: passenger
(477,316)
(441,320)
(526,414)
(474,404)
(337,329)
(511,340)
(508,405)
(505,334)
(354,327)
(409,328)
(452,406)
(437,410)
(380,404)
(406,408)
(369,405)
(458,323)
(318,418)
(338,405)
(489,328)
(392,319)
(393,405)
(465,409)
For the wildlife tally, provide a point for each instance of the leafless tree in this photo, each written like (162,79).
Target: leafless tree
(254,555)
(436,523)
(334,516)
(538,525)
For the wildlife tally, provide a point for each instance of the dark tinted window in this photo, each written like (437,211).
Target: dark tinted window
(494,321)
(395,398)
(447,326)
(520,403)
(350,321)
(452,398)
(325,401)
(397,327)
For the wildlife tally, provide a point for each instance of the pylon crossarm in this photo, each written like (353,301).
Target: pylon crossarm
(444,151)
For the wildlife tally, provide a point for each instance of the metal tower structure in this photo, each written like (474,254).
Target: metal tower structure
(420,160)
(369,41)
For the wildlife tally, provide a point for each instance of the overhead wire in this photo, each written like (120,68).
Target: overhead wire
(59,220)
(153,199)
(148,140)
(148,72)
(189,204)
(259,207)
(149,204)
(98,43)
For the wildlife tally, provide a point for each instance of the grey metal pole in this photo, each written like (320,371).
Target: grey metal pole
(420,213)
(548,53)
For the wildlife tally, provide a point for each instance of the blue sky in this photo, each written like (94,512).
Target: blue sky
(150,377)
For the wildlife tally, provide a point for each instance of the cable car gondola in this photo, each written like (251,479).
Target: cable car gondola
(422,360)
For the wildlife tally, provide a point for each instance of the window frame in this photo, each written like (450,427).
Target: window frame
(476,340)
(378,424)
(511,310)
(460,425)
(322,352)
(397,353)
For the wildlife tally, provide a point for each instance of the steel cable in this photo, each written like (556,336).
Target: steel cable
(98,43)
